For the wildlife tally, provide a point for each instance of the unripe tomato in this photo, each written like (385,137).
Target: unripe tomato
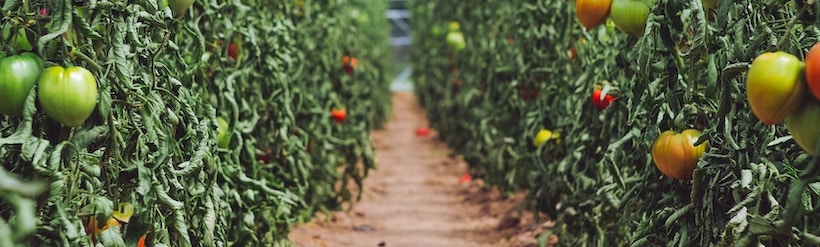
(676,155)
(601,101)
(338,115)
(813,70)
(223,136)
(455,40)
(804,124)
(592,13)
(437,30)
(68,95)
(453,26)
(630,16)
(179,6)
(774,86)
(18,74)
(542,136)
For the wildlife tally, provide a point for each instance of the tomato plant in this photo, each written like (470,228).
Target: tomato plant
(804,125)
(223,133)
(774,86)
(676,155)
(630,16)
(68,95)
(338,114)
(18,74)
(20,39)
(601,100)
(813,70)
(592,13)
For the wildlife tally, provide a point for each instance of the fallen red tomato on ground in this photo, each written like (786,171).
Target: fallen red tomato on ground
(601,101)
(466,178)
(423,131)
(338,114)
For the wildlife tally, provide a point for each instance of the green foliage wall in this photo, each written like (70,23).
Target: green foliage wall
(164,78)
(529,65)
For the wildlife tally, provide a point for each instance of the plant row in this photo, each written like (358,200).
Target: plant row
(182,122)
(633,122)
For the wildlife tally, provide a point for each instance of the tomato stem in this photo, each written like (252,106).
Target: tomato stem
(77,52)
(790,26)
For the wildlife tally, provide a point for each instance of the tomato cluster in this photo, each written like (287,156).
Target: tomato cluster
(777,86)
(67,95)
(349,64)
(629,16)
(455,38)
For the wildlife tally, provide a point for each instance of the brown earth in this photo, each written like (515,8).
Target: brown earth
(417,197)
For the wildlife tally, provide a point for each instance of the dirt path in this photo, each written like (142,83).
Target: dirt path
(416,198)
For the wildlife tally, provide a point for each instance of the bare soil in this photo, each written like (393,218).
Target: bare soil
(418,196)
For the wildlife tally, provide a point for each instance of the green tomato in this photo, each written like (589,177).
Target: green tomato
(179,6)
(68,95)
(456,40)
(18,74)
(803,124)
(629,16)
(223,135)
(436,30)
(453,26)
(775,87)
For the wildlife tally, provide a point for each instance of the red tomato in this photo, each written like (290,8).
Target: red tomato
(601,101)
(592,13)
(349,64)
(813,70)
(233,51)
(141,242)
(338,114)
(423,131)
